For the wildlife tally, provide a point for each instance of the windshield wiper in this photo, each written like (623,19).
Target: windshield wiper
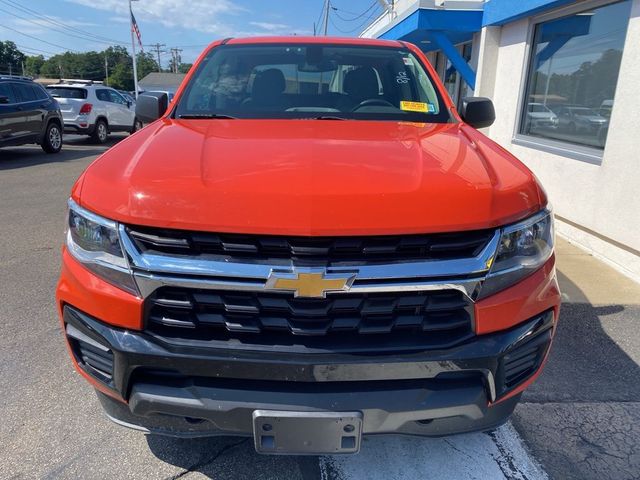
(206,115)
(328,117)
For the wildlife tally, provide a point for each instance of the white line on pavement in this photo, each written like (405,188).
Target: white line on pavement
(498,455)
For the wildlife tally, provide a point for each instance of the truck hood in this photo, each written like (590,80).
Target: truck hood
(309,177)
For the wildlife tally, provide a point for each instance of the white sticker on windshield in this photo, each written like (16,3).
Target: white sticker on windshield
(407,61)
(402,78)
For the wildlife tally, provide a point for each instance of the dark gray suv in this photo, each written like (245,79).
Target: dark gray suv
(28,114)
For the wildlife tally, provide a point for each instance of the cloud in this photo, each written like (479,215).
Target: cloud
(270,27)
(40,25)
(201,15)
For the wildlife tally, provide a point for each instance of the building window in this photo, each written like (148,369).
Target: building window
(573,74)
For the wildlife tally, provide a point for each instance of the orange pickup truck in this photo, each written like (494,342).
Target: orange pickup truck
(307,245)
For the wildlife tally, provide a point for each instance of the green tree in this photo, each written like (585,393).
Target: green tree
(90,66)
(10,58)
(184,67)
(121,76)
(86,65)
(33,65)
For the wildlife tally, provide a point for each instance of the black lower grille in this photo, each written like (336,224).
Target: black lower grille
(346,320)
(520,363)
(389,248)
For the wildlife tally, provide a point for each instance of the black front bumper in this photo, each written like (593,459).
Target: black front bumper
(187,391)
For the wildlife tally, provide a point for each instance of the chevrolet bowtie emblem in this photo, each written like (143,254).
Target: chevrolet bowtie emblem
(309,284)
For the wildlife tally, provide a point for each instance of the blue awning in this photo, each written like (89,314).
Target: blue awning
(440,29)
(499,12)
(458,26)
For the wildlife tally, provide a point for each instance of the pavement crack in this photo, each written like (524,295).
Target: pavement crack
(505,460)
(599,448)
(462,452)
(197,466)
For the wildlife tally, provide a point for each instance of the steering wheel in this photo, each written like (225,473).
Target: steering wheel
(371,102)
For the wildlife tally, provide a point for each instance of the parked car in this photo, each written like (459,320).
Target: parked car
(306,266)
(28,114)
(127,96)
(94,110)
(578,119)
(605,109)
(169,93)
(540,116)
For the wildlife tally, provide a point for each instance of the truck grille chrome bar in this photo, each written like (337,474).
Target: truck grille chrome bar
(153,270)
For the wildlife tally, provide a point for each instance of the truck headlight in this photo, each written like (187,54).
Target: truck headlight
(524,247)
(94,241)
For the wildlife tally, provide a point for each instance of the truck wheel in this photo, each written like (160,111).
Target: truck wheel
(52,141)
(100,132)
(137,125)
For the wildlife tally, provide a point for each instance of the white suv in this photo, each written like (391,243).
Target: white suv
(94,109)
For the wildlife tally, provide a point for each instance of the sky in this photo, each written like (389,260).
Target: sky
(52,26)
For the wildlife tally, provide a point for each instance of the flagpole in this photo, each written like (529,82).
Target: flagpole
(133,47)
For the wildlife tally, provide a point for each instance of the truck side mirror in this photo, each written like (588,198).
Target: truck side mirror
(151,106)
(478,111)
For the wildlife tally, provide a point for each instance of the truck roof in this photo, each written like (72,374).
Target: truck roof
(316,40)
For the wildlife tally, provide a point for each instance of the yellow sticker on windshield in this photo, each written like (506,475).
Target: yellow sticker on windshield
(414,106)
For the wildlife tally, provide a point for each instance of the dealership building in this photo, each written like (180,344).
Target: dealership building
(565,80)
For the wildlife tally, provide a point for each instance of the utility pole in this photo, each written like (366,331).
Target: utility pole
(106,69)
(23,68)
(133,47)
(327,6)
(175,56)
(157,47)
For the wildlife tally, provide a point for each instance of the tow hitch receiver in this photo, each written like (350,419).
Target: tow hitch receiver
(306,433)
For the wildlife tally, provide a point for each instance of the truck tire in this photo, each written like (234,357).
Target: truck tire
(100,132)
(52,140)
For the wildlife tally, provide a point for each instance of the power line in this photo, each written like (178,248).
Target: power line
(39,39)
(357,16)
(26,19)
(317,22)
(52,21)
(22,47)
(372,14)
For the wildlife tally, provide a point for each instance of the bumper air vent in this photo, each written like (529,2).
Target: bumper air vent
(92,356)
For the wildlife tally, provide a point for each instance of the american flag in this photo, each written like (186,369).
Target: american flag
(135,29)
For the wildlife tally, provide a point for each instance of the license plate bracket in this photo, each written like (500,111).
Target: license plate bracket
(306,433)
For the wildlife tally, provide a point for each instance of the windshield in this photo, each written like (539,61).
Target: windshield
(66,92)
(312,81)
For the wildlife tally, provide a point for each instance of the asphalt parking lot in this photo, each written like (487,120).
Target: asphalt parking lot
(580,420)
